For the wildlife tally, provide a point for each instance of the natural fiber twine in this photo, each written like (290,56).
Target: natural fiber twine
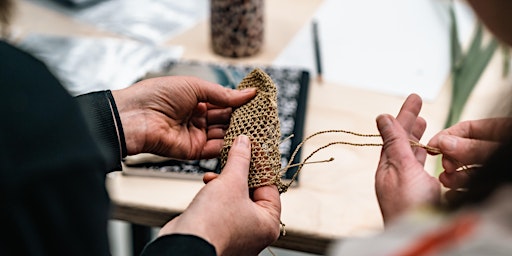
(258,119)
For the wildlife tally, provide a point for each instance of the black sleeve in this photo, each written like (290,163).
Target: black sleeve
(178,244)
(52,184)
(102,118)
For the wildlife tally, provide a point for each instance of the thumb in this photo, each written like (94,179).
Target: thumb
(448,144)
(239,160)
(396,142)
(386,129)
(222,96)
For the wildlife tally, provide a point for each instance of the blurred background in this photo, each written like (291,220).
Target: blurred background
(394,47)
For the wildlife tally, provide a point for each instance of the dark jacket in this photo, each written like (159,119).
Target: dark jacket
(54,153)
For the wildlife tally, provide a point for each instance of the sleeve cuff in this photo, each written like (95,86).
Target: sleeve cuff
(104,124)
(179,244)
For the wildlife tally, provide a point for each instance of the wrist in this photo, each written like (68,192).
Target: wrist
(128,119)
(118,124)
(97,110)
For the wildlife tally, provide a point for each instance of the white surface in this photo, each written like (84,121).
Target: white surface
(396,47)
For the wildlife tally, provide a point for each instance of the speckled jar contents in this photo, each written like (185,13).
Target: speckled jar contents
(236,27)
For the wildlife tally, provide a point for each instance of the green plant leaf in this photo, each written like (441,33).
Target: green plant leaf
(467,69)
(456,49)
(506,60)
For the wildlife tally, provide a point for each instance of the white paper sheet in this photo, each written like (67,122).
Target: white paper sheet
(396,47)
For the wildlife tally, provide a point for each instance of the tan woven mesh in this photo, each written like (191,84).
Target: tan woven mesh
(258,120)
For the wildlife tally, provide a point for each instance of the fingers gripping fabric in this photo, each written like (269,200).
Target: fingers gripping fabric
(258,119)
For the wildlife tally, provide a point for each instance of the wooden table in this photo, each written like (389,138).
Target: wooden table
(333,200)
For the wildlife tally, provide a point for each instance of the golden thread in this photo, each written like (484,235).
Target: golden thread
(259,120)
(314,162)
(284,187)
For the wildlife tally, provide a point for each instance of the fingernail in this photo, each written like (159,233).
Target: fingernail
(242,140)
(448,142)
(384,121)
(248,90)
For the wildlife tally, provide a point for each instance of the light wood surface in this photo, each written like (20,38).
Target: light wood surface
(333,200)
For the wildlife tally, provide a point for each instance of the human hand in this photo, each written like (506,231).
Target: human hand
(178,117)
(401,181)
(223,213)
(466,143)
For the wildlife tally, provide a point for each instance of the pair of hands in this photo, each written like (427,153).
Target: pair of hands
(186,118)
(401,181)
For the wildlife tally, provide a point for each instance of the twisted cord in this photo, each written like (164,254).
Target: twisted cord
(284,187)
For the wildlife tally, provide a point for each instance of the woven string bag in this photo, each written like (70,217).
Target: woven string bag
(258,119)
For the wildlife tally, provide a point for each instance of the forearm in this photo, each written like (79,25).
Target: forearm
(100,113)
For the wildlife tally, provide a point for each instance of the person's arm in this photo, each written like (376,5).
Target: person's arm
(102,118)
(52,180)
